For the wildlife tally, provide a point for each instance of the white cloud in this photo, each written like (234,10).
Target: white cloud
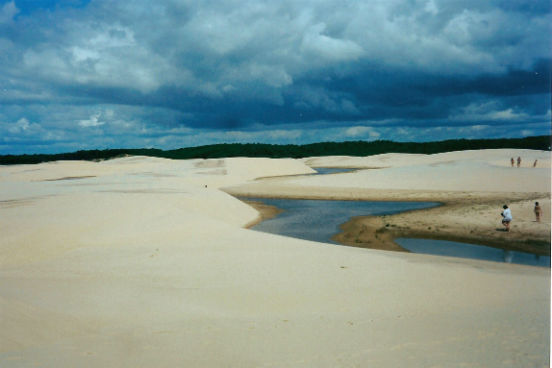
(93,121)
(431,7)
(362,132)
(527,132)
(479,127)
(285,135)
(7,12)
(320,45)
(487,111)
(81,54)
(507,114)
(20,126)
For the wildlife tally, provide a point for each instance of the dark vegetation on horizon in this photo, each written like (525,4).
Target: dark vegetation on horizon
(352,148)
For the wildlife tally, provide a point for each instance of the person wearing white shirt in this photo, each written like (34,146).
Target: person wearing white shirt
(506,217)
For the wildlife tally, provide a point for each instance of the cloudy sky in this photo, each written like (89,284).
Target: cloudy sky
(87,74)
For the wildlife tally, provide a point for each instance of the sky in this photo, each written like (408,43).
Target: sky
(97,74)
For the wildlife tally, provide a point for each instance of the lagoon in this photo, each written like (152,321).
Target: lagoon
(319,220)
(465,250)
(332,170)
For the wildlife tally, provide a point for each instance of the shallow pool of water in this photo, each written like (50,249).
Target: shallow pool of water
(465,250)
(331,170)
(319,220)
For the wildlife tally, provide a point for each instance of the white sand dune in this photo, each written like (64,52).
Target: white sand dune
(494,157)
(141,262)
(460,171)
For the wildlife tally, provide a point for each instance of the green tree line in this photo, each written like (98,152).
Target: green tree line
(351,148)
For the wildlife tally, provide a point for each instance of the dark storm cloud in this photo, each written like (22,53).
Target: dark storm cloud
(144,69)
(402,94)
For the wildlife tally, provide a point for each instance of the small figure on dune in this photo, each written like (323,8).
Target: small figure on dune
(538,211)
(512,161)
(535,163)
(506,217)
(518,161)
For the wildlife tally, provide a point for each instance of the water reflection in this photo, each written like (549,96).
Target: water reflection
(319,220)
(331,170)
(465,250)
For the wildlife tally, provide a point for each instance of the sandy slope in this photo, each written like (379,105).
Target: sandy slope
(472,185)
(145,262)
(494,157)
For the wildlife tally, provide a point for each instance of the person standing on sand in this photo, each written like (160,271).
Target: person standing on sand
(518,161)
(512,161)
(538,211)
(535,163)
(506,217)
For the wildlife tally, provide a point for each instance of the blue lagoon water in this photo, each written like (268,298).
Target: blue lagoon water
(319,220)
(331,170)
(465,250)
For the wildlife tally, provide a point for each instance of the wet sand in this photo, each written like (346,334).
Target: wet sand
(454,220)
(464,216)
(266,211)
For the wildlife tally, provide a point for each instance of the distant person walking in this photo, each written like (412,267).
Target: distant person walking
(535,163)
(506,217)
(538,211)
(518,161)
(512,161)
